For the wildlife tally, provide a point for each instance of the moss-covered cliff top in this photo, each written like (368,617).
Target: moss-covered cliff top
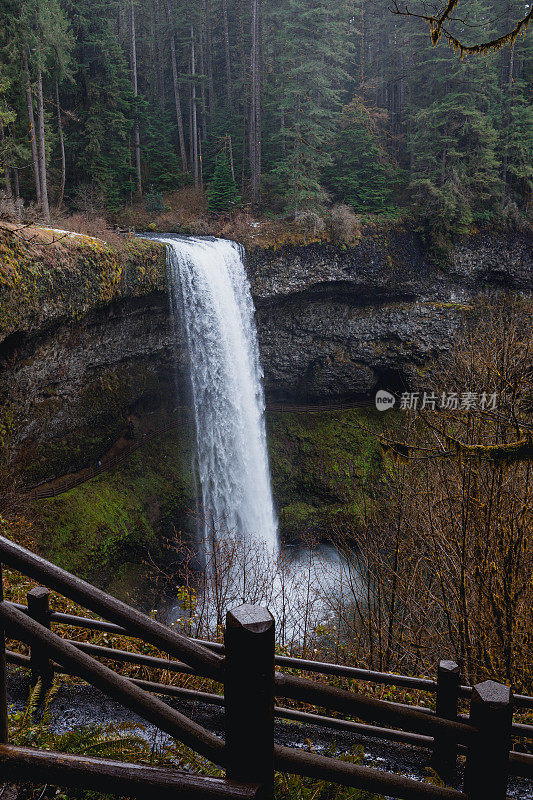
(46,276)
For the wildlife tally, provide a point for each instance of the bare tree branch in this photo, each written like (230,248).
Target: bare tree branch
(438,29)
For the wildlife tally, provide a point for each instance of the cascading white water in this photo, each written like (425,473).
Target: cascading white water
(211,293)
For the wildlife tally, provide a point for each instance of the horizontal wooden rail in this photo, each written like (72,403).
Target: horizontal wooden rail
(204,661)
(116,777)
(313,765)
(192,695)
(119,688)
(521,763)
(282,713)
(368,708)
(290,662)
(125,656)
(340,670)
(76,621)
(358,673)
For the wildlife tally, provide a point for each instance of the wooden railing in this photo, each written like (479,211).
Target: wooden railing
(245,666)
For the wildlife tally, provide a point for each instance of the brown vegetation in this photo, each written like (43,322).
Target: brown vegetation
(447,552)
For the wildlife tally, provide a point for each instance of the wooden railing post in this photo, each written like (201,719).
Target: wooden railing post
(249,696)
(39,610)
(445,747)
(4,727)
(487,762)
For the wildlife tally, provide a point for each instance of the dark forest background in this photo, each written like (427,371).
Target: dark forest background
(287,105)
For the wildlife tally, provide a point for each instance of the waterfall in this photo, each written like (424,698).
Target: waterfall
(210,295)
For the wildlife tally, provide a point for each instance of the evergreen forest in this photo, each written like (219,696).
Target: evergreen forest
(285,106)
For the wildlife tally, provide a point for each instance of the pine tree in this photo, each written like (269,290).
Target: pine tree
(452,137)
(45,41)
(101,151)
(161,162)
(361,174)
(222,190)
(310,71)
(454,168)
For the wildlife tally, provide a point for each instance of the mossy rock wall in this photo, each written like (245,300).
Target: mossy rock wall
(324,468)
(84,336)
(44,283)
(113,529)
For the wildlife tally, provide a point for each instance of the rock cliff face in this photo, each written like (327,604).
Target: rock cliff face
(84,335)
(338,323)
(71,390)
(77,355)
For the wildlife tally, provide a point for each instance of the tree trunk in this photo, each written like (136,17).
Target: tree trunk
(62,149)
(177,100)
(258,103)
(203,106)
(136,137)
(255,102)
(226,50)
(42,147)
(7,170)
(194,128)
(209,58)
(200,162)
(16,183)
(507,67)
(362,50)
(230,152)
(244,82)
(156,39)
(31,120)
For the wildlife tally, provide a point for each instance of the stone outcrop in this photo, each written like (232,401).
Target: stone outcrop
(337,323)
(85,336)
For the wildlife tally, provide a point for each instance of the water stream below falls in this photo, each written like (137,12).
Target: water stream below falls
(212,303)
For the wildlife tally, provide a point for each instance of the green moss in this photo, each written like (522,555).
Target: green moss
(104,529)
(40,282)
(321,464)
(144,266)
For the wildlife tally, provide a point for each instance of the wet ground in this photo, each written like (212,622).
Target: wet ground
(79,704)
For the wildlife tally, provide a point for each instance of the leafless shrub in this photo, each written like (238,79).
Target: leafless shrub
(311,223)
(344,225)
(89,199)
(91,225)
(238,571)
(444,550)
(11,209)
(17,210)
